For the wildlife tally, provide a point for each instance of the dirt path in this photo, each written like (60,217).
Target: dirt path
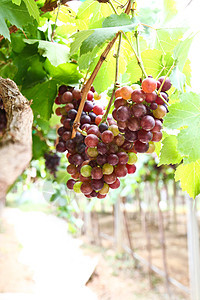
(40,260)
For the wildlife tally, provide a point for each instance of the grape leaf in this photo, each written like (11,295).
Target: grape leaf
(39,147)
(181,51)
(178,79)
(17,2)
(33,9)
(64,73)
(56,53)
(16,15)
(79,38)
(186,113)
(169,153)
(189,176)
(154,63)
(110,27)
(43,96)
(168,38)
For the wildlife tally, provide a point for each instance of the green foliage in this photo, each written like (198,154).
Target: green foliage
(43,96)
(186,114)
(189,176)
(39,147)
(16,14)
(169,153)
(32,9)
(56,53)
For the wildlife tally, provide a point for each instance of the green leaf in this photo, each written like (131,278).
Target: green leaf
(111,26)
(170,9)
(155,63)
(17,2)
(43,96)
(56,53)
(186,113)
(62,176)
(65,73)
(181,51)
(189,176)
(32,9)
(79,38)
(168,38)
(169,153)
(178,79)
(39,147)
(16,15)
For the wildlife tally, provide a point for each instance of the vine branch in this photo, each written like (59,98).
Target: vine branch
(115,84)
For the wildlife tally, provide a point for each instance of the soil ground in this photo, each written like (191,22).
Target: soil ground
(114,277)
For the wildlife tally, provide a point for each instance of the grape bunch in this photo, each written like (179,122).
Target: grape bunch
(99,159)
(103,152)
(139,112)
(52,161)
(3,119)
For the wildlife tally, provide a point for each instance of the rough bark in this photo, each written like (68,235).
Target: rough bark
(16,143)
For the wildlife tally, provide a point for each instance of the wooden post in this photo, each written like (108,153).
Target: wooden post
(118,226)
(162,240)
(193,249)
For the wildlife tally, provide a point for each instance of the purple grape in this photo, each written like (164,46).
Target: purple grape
(147,123)
(88,106)
(85,119)
(123,113)
(141,147)
(102,148)
(133,124)
(131,136)
(60,147)
(97,184)
(72,114)
(101,159)
(113,159)
(144,136)
(139,110)
(103,127)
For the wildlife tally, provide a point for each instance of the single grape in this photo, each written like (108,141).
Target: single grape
(153,105)
(151,148)
(91,140)
(157,136)
(105,189)
(86,171)
(126,92)
(72,114)
(93,129)
(70,184)
(135,86)
(71,169)
(70,145)
(90,96)
(107,136)
(131,136)
(77,159)
(101,159)
(86,188)
(121,125)
(66,98)
(167,84)
(92,116)
(76,94)
(133,124)
(139,110)
(77,187)
(113,159)
(127,145)
(114,129)
(132,158)
(97,96)
(107,169)
(119,140)
(121,171)
(144,136)
(115,184)
(62,89)
(88,106)
(66,135)
(98,110)
(100,196)
(92,152)
(147,123)
(84,179)
(61,130)
(141,147)
(97,184)
(119,102)
(57,100)
(151,97)
(75,176)
(98,120)
(103,127)
(159,100)
(85,119)
(109,179)
(118,93)
(138,96)
(67,124)
(123,158)
(149,85)
(160,112)
(60,147)
(158,126)
(97,173)
(131,169)
(93,194)
(102,148)
(114,114)
(113,148)
(123,113)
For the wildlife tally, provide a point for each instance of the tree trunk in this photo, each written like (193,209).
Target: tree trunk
(16,143)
